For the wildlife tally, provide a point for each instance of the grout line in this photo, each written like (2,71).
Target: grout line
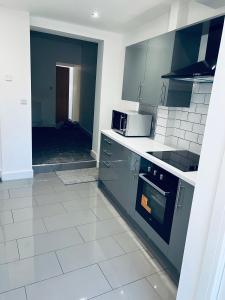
(104,276)
(18,249)
(25,292)
(59,262)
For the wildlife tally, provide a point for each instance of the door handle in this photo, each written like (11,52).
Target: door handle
(164,193)
(108,141)
(107,153)
(179,197)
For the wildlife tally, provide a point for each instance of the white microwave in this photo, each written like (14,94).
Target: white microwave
(131,123)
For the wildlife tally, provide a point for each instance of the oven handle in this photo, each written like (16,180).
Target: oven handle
(142,176)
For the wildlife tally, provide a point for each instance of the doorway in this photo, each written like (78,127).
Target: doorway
(63,94)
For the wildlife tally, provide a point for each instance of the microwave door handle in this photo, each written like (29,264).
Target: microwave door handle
(142,176)
(121,119)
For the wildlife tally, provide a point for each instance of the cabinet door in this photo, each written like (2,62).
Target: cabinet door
(180,223)
(134,70)
(159,60)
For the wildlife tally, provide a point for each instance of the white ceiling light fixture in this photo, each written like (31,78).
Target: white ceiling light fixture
(95,14)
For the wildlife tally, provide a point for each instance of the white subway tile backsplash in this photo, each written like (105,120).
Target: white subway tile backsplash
(186,125)
(203,119)
(183,127)
(194,118)
(196,148)
(183,144)
(207,98)
(198,98)
(179,133)
(202,108)
(163,113)
(191,136)
(199,128)
(172,114)
(200,139)
(160,130)
(205,88)
(162,122)
(182,115)
(160,138)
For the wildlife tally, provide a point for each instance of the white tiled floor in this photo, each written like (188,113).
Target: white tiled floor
(62,242)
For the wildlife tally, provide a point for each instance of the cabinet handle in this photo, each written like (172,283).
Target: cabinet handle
(164,95)
(179,197)
(107,153)
(108,141)
(108,165)
(161,95)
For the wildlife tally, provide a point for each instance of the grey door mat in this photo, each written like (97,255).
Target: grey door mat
(78,176)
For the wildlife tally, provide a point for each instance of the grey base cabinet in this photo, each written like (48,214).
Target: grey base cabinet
(118,171)
(180,223)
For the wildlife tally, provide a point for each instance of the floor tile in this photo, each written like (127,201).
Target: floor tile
(55,198)
(30,191)
(47,242)
(69,220)
(87,254)
(104,213)
(45,176)
(21,229)
(6,217)
(82,203)
(163,285)
(101,229)
(4,194)
(18,294)
(8,252)
(17,203)
(27,271)
(127,268)
(37,212)
(78,285)
(139,290)
(127,241)
(13,184)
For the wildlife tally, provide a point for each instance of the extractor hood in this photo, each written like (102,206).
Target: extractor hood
(204,69)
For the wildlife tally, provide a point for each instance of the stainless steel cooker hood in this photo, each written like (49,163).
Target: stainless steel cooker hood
(204,69)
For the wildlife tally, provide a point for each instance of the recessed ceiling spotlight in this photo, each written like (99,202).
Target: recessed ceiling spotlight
(95,14)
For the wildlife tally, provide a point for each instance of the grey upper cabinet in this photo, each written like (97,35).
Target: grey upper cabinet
(146,62)
(180,223)
(159,60)
(134,71)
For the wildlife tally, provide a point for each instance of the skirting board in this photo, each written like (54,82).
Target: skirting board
(93,154)
(24,174)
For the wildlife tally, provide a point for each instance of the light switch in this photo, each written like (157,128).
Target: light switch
(23,101)
(8,77)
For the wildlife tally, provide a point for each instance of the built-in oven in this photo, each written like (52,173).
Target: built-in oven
(156,198)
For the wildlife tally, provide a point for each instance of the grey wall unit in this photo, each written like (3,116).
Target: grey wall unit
(161,55)
(134,71)
(180,223)
(118,171)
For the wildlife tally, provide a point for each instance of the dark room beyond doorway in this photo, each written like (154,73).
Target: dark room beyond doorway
(63,96)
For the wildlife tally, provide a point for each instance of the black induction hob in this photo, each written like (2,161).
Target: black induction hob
(183,160)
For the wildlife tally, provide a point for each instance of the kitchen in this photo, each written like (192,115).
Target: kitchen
(151,180)
(156,216)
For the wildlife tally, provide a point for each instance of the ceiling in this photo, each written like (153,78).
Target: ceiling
(115,15)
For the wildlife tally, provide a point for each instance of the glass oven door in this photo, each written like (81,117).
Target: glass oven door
(155,205)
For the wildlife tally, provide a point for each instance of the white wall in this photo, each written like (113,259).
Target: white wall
(15,117)
(109,69)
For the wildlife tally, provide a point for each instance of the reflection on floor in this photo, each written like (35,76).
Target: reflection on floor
(62,242)
(65,145)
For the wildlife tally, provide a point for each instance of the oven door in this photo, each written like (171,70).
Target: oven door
(156,206)
(119,121)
